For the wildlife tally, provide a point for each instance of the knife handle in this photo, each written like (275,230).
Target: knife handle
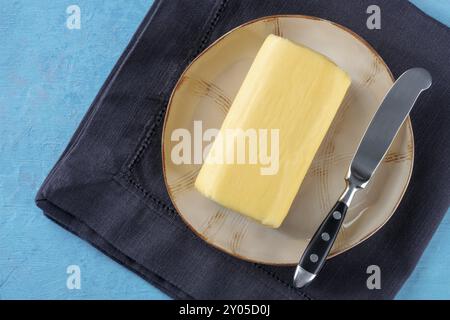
(320,245)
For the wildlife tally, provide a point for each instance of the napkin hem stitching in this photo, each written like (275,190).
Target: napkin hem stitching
(79,221)
(157,202)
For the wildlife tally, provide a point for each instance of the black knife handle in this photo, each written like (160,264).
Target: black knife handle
(321,243)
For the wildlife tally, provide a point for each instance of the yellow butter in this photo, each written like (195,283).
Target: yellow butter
(290,88)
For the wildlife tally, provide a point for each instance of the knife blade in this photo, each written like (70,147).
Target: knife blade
(375,143)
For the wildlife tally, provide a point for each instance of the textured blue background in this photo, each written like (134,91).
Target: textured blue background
(48,77)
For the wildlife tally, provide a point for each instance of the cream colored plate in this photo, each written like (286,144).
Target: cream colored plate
(205,92)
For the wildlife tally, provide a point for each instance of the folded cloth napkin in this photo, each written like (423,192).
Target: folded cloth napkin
(108,187)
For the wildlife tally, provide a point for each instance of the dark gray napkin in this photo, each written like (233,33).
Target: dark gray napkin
(108,188)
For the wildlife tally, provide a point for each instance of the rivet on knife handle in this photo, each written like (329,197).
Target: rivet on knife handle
(376,141)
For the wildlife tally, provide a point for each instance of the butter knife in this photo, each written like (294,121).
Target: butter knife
(376,141)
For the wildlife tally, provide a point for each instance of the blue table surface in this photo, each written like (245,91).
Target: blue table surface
(48,77)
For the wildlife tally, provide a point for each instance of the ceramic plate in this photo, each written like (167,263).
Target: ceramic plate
(205,92)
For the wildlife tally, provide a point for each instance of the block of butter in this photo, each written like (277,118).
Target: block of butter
(280,115)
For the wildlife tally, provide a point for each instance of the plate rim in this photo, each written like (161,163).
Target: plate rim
(357,37)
